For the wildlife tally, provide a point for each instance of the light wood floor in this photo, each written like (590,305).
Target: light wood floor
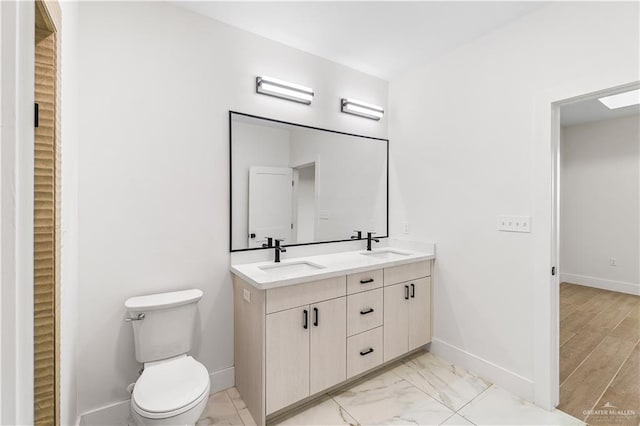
(599,355)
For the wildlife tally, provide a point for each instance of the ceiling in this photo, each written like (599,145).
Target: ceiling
(378,38)
(592,110)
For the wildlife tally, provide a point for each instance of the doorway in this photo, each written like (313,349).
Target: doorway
(598,248)
(304,203)
(46,259)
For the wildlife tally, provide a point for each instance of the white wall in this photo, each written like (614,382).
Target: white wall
(155,86)
(462,143)
(599,203)
(69,297)
(16,226)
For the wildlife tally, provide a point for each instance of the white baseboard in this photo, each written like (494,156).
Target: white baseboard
(619,286)
(118,414)
(114,414)
(222,379)
(502,377)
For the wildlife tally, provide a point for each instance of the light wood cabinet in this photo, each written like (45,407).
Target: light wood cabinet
(308,343)
(407,317)
(419,313)
(364,352)
(364,281)
(396,320)
(328,331)
(364,311)
(295,342)
(287,350)
(410,271)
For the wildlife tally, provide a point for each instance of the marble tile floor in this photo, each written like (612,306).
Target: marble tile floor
(421,390)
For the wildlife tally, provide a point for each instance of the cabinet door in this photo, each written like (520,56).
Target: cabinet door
(287,357)
(396,320)
(419,312)
(328,356)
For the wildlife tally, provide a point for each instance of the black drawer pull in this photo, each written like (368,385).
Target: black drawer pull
(367,281)
(367,311)
(367,352)
(413,290)
(406,292)
(305,319)
(315,317)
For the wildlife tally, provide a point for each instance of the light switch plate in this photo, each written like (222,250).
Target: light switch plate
(514,223)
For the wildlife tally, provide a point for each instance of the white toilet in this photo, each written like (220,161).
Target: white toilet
(173,388)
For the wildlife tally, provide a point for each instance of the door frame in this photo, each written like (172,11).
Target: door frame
(48,19)
(294,207)
(545,235)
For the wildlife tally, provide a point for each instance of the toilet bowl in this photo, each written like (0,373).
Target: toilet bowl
(173,388)
(172,392)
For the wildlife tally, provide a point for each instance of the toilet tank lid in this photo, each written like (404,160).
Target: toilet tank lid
(163,300)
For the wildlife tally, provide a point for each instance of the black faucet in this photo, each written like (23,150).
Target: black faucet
(358,236)
(279,250)
(369,239)
(269,243)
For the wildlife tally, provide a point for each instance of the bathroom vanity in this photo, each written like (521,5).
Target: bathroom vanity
(307,325)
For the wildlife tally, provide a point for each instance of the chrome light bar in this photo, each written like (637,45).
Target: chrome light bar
(362,109)
(283,89)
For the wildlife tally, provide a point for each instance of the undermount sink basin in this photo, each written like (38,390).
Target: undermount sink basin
(295,267)
(387,254)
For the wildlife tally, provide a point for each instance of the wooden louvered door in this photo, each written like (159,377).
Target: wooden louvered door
(46,220)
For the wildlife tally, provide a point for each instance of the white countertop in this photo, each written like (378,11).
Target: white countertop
(333,265)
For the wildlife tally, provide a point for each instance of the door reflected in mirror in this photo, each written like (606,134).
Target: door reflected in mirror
(303,185)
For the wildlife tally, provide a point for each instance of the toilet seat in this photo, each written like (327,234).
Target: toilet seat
(170,388)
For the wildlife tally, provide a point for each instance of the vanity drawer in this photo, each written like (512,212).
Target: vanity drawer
(364,351)
(364,311)
(287,297)
(408,272)
(364,281)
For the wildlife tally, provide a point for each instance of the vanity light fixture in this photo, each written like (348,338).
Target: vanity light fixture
(363,109)
(622,100)
(283,89)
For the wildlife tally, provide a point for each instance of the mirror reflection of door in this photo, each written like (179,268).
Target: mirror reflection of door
(270,198)
(304,203)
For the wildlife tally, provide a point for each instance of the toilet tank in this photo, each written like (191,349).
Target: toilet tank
(167,327)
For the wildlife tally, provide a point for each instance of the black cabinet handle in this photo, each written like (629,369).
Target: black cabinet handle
(367,352)
(315,317)
(413,290)
(367,311)
(406,292)
(367,281)
(305,319)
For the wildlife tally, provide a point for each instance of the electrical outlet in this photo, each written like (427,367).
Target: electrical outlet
(514,223)
(247,295)
(406,227)
(612,262)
